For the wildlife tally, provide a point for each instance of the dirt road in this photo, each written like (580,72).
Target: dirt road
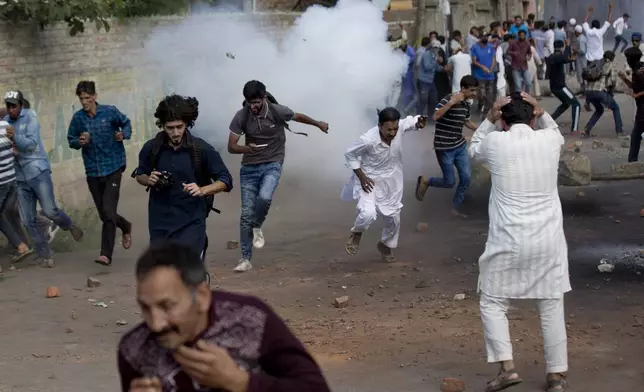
(402,331)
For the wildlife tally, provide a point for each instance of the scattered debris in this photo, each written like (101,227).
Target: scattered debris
(53,292)
(341,302)
(422,227)
(626,142)
(230,55)
(69,330)
(232,245)
(597,144)
(581,194)
(100,304)
(12,268)
(121,322)
(93,282)
(605,266)
(452,385)
(421,284)
(459,297)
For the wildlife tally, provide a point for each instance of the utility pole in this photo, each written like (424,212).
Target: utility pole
(421,6)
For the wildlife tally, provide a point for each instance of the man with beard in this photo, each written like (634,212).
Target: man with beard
(194,339)
(520,52)
(99,131)
(377,179)
(182,173)
(263,124)
(526,255)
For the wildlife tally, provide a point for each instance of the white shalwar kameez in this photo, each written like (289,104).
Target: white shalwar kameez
(526,255)
(383,164)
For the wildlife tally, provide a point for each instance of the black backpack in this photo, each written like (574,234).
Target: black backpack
(593,72)
(196,147)
(280,121)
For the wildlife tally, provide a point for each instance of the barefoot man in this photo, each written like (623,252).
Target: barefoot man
(526,255)
(377,182)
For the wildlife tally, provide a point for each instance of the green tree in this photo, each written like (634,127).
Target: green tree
(78,13)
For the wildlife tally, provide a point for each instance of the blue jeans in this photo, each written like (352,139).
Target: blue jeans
(447,159)
(40,190)
(428,98)
(7,196)
(257,183)
(598,99)
(522,80)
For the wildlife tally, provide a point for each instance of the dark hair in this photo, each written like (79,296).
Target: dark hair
(521,32)
(551,25)
(507,37)
(558,44)
(595,24)
(494,25)
(457,33)
(86,86)
(172,255)
(433,33)
(26,104)
(177,108)
(538,24)
(518,17)
(254,90)
(626,15)
(441,39)
(469,81)
(561,24)
(506,23)
(473,29)
(425,41)
(609,55)
(518,111)
(633,57)
(531,16)
(388,114)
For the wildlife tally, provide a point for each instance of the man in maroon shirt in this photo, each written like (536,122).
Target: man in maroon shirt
(520,52)
(193,339)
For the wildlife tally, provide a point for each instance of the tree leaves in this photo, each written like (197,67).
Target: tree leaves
(77,13)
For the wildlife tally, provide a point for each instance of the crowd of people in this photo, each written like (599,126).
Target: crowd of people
(195,339)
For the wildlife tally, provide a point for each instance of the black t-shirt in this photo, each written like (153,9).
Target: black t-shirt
(638,86)
(556,71)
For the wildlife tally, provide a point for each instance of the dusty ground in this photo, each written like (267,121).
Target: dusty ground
(402,331)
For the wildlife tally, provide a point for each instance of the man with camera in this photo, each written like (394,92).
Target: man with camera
(182,173)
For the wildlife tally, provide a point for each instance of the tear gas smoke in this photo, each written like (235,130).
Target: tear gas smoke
(333,65)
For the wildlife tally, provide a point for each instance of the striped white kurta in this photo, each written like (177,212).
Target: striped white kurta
(526,255)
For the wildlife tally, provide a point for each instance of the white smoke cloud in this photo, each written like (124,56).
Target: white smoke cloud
(333,65)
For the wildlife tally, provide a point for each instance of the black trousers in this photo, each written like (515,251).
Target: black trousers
(105,192)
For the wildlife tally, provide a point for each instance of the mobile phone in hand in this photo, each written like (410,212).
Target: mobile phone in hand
(261,145)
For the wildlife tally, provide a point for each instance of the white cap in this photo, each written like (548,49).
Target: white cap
(578,29)
(572,21)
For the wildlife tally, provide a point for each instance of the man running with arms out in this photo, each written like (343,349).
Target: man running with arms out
(377,179)
(452,113)
(182,173)
(99,131)
(263,123)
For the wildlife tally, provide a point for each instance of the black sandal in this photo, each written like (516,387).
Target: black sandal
(557,385)
(103,263)
(504,380)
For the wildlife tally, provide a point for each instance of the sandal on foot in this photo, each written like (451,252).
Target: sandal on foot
(21,256)
(103,260)
(386,253)
(353,244)
(126,240)
(504,380)
(557,385)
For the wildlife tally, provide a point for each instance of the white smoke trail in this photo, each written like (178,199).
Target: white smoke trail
(333,65)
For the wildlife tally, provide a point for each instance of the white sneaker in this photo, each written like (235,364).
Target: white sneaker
(258,239)
(243,265)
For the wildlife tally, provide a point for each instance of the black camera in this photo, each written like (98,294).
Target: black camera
(165,180)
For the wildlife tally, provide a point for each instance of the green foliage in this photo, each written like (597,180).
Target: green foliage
(78,13)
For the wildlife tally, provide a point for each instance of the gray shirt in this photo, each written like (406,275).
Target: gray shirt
(262,129)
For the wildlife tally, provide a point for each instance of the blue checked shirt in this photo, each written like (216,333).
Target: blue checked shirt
(103,155)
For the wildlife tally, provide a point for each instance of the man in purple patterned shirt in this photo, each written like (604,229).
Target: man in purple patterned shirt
(194,339)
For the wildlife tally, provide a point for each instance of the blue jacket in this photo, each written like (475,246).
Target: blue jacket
(103,155)
(32,157)
(428,67)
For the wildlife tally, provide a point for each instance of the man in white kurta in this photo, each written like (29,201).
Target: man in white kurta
(526,255)
(376,159)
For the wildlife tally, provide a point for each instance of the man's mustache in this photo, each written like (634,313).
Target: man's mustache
(165,331)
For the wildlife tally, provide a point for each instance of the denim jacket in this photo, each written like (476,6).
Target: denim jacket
(32,157)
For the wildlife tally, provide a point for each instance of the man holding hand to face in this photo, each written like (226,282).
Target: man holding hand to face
(99,130)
